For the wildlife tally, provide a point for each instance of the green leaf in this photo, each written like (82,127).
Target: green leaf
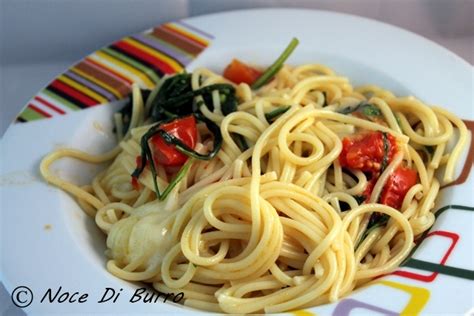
(241,141)
(367,109)
(276,66)
(176,98)
(376,220)
(398,120)
(126,110)
(359,198)
(430,150)
(270,116)
(370,110)
(147,156)
(386,150)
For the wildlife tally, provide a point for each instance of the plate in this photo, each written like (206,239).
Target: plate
(48,243)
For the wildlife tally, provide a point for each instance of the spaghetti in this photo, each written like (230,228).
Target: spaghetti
(318,187)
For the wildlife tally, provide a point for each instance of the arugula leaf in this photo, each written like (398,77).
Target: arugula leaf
(370,110)
(241,142)
(325,103)
(276,66)
(177,98)
(359,198)
(270,116)
(386,149)
(228,103)
(398,120)
(126,110)
(367,109)
(430,150)
(376,220)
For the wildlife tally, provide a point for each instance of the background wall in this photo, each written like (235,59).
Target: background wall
(41,38)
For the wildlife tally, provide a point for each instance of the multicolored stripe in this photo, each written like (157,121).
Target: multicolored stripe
(107,74)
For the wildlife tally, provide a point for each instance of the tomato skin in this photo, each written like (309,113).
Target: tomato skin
(184,129)
(365,151)
(239,72)
(369,188)
(397,186)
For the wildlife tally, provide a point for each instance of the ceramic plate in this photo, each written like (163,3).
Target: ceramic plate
(48,242)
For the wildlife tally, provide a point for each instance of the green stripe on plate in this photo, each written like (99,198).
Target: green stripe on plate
(440,268)
(61,100)
(146,70)
(31,115)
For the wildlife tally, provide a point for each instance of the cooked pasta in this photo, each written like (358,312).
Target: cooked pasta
(292,211)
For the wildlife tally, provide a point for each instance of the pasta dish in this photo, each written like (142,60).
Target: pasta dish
(266,190)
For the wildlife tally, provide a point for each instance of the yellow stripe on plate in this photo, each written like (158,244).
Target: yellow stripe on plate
(83,89)
(303,312)
(122,65)
(419,297)
(170,61)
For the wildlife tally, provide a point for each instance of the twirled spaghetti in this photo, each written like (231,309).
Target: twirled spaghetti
(288,222)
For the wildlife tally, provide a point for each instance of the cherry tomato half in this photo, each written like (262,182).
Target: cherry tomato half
(184,129)
(366,151)
(397,186)
(239,72)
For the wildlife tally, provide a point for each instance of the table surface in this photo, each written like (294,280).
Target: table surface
(66,31)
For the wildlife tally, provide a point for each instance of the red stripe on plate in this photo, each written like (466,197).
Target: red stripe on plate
(74,93)
(137,52)
(38,110)
(49,105)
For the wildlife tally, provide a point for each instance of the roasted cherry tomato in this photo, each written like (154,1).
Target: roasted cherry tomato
(366,151)
(397,186)
(134,181)
(239,72)
(184,129)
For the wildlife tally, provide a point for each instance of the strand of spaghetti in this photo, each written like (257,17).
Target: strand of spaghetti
(67,186)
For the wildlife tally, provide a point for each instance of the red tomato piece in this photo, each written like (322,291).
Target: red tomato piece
(134,181)
(397,186)
(185,130)
(366,151)
(369,188)
(239,72)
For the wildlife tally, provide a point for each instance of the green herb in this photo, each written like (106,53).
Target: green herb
(270,116)
(240,140)
(325,103)
(179,176)
(276,66)
(185,149)
(172,99)
(359,198)
(386,149)
(376,220)
(430,150)
(370,110)
(398,120)
(367,109)
(126,111)
(146,154)
(177,98)
(350,109)
(228,103)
